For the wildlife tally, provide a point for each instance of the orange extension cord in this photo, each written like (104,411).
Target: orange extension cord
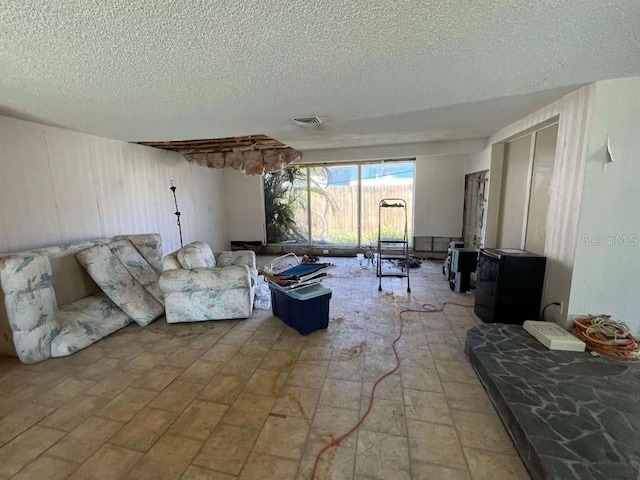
(426,308)
(607,337)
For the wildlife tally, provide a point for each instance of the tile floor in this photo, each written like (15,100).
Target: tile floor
(252,399)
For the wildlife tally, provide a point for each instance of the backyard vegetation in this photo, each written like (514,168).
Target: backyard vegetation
(329,195)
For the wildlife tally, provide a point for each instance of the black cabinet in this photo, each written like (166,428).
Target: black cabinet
(509,285)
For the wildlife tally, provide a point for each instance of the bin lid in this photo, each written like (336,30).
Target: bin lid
(312,291)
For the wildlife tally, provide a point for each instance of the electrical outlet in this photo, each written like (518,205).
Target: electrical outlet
(325,251)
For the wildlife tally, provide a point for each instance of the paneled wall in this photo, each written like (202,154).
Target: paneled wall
(573,112)
(62,186)
(59,186)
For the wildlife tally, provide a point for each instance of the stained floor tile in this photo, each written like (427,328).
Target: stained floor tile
(383,456)
(144,429)
(386,416)
(245,399)
(494,466)
(199,420)
(296,402)
(74,413)
(199,473)
(21,419)
(108,463)
(47,467)
(25,448)
(482,429)
(249,410)
(125,406)
(84,440)
(427,406)
(227,449)
(166,460)
(282,437)
(259,467)
(223,389)
(176,396)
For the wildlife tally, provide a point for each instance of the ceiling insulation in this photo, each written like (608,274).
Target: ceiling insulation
(254,154)
(215,145)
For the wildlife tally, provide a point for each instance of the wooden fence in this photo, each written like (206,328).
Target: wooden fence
(335,215)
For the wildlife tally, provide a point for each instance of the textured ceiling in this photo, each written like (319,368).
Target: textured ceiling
(150,70)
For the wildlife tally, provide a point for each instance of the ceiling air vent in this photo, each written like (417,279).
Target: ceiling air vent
(307,121)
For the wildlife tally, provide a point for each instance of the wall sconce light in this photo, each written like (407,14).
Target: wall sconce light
(177,213)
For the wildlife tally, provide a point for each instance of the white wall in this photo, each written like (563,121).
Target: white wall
(439,195)
(245,206)
(62,186)
(607,260)
(479,161)
(513,192)
(402,150)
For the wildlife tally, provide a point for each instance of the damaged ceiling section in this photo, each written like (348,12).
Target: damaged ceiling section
(253,154)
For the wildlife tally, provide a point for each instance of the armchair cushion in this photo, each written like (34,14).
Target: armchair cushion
(195,279)
(240,257)
(196,255)
(204,305)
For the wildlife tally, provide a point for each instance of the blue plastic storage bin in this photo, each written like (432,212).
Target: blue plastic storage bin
(306,313)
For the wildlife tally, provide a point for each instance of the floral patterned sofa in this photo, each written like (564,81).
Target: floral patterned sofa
(199,285)
(56,307)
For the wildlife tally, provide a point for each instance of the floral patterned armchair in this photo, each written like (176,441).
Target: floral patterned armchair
(199,285)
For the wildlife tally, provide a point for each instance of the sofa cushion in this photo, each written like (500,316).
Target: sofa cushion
(114,280)
(137,266)
(196,255)
(25,273)
(149,245)
(31,304)
(84,322)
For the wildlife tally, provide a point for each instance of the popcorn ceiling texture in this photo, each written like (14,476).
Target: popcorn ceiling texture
(166,70)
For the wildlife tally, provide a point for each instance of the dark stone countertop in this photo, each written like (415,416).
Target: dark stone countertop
(571,415)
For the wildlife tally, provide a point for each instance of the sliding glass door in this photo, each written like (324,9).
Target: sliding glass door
(336,204)
(333,191)
(385,180)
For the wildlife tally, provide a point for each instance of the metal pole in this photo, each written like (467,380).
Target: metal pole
(177,213)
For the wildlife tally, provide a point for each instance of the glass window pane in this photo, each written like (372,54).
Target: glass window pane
(285,203)
(334,204)
(386,180)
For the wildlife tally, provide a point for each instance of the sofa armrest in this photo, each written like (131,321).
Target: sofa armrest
(239,257)
(195,279)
